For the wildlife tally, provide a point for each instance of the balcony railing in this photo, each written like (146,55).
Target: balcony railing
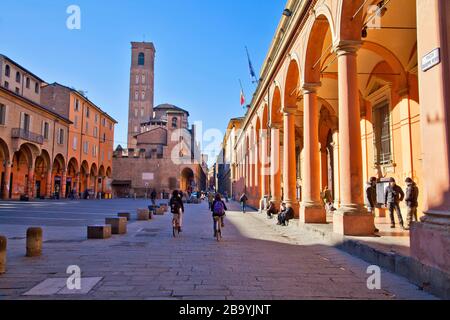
(18,133)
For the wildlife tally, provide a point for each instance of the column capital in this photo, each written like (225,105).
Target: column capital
(290,110)
(311,87)
(275,125)
(347,47)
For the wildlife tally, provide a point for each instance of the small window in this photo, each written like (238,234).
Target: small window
(141,59)
(18,77)
(7,71)
(174,122)
(382,134)
(2,114)
(142,112)
(143,79)
(36,88)
(136,96)
(6,84)
(17,90)
(88,112)
(28,83)
(45,130)
(135,113)
(143,95)
(109,155)
(94,151)
(104,122)
(86,147)
(96,118)
(104,137)
(95,132)
(25,122)
(77,104)
(61,136)
(75,122)
(75,143)
(87,127)
(137,79)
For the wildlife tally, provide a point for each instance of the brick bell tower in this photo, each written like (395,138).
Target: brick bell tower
(142,83)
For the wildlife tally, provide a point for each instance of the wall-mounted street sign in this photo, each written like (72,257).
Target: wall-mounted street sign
(431,59)
(148,176)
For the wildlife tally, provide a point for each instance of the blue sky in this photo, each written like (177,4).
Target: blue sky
(200,50)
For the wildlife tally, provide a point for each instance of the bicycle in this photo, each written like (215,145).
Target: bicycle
(176,225)
(218,222)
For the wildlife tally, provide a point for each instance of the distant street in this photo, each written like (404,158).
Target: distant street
(254,261)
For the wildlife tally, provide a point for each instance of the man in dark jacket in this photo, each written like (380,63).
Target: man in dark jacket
(286,214)
(411,198)
(370,196)
(392,198)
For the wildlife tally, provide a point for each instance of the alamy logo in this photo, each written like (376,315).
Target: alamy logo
(374,280)
(73,22)
(74,281)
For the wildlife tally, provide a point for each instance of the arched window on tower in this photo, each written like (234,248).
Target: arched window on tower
(174,122)
(141,59)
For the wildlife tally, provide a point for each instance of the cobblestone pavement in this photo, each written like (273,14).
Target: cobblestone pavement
(255,260)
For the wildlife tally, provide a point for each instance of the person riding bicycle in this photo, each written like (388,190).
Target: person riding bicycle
(177,207)
(218,209)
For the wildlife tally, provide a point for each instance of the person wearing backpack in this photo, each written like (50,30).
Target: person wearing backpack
(177,207)
(218,209)
(243,200)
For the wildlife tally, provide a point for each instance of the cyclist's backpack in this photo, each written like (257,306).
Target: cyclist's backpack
(175,207)
(219,208)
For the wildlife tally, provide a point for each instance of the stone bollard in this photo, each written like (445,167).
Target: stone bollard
(3,243)
(118,225)
(124,215)
(34,242)
(143,215)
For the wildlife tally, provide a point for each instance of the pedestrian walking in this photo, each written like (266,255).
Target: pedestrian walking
(370,196)
(411,198)
(243,200)
(392,198)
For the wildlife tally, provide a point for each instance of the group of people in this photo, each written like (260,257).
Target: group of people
(393,196)
(284,213)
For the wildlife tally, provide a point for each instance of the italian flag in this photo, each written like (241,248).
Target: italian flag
(242,98)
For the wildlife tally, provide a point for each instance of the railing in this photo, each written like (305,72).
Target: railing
(18,133)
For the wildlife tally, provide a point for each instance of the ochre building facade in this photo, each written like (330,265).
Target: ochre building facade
(41,136)
(352,90)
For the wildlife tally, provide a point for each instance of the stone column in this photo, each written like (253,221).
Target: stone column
(6,181)
(352,218)
(63,184)
(312,209)
(30,186)
(430,239)
(49,183)
(264,162)
(289,167)
(275,172)
(95,186)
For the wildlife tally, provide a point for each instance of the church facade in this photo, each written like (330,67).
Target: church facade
(162,152)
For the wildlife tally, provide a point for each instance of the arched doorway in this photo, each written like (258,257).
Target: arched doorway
(22,173)
(5,170)
(42,175)
(58,173)
(187,180)
(84,178)
(72,177)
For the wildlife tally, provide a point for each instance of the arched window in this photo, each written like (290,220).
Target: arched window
(174,122)
(7,70)
(141,59)
(18,77)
